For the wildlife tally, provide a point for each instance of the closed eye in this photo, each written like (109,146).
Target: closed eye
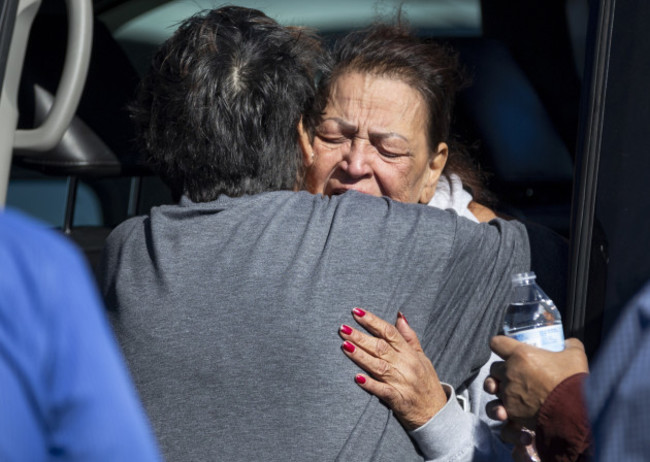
(392,155)
(333,139)
(390,145)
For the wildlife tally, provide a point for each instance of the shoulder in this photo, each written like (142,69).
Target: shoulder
(127,240)
(21,232)
(128,226)
(30,248)
(388,209)
(45,278)
(482,213)
(130,229)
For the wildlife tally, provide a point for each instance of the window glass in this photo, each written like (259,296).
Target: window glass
(45,199)
(141,33)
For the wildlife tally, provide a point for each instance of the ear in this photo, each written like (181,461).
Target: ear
(304,140)
(436,165)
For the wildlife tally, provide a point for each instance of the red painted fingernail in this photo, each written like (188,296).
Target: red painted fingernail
(401,315)
(360,379)
(359,312)
(347,346)
(347,330)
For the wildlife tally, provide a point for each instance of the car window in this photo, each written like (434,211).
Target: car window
(141,33)
(504,113)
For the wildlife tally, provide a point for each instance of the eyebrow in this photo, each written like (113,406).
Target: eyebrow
(383,136)
(347,126)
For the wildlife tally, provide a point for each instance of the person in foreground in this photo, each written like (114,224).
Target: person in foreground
(541,390)
(382,126)
(553,393)
(65,391)
(577,415)
(222,303)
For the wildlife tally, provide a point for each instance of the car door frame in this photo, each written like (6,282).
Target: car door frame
(609,212)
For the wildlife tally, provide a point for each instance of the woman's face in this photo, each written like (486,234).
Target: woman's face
(373,139)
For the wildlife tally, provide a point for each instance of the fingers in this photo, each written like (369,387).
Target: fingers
(385,341)
(379,329)
(389,360)
(515,434)
(397,373)
(504,346)
(366,351)
(370,363)
(497,372)
(523,440)
(576,358)
(491,385)
(382,391)
(409,334)
(574,343)
(496,411)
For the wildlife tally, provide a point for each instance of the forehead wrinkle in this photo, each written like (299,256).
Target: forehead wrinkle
(363,98)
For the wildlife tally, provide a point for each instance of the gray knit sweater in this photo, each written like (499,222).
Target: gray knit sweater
(228,314)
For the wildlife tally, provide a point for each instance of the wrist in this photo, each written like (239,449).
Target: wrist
(437,400)
(447,432)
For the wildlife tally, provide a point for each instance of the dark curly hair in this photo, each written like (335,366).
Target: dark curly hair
(218,111)
(427,66)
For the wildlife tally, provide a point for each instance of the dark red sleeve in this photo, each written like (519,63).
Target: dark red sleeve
(562,432)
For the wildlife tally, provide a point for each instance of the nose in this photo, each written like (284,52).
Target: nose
(356,160)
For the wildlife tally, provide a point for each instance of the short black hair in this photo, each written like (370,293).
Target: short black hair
(218,111)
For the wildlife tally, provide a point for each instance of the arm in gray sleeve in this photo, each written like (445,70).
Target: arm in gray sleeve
(456,435)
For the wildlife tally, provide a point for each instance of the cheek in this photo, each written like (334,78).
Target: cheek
(399,183)
(325,161)
(418,180)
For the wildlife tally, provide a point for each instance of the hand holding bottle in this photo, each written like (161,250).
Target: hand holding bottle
(526,377)
(533,319)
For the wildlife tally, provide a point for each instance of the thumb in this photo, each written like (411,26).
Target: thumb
(409,334)
(504,346)
(574,343)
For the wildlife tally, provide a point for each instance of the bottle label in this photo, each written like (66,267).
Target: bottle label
(548,337)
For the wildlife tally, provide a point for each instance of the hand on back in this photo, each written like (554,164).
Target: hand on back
(399,373)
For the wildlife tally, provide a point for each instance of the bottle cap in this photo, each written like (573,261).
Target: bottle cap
(523,277)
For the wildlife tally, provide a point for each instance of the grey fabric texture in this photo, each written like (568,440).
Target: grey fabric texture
(464,432)
(459,436)
(228,314)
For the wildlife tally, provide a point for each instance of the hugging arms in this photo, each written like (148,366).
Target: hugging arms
(183,283)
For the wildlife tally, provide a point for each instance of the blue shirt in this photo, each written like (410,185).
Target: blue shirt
(617,391)
(65,393)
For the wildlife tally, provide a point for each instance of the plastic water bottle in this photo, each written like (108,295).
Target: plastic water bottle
(532,317)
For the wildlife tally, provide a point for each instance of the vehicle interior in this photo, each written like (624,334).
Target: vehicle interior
(73,163)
